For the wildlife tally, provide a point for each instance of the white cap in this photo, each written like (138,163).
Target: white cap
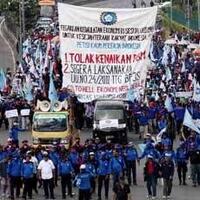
(45,153)
(168,154)
(149,156)
(15,123)
(83,166)
(91,153)
(130,144)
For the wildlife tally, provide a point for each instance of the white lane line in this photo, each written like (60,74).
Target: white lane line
(6,41)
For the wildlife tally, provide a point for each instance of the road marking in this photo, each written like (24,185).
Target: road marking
(6,41)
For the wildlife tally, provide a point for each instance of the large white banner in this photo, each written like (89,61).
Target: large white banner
(104,52)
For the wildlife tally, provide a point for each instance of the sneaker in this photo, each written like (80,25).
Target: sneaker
(164,197)
(153,198)
(168,197)
(148,196)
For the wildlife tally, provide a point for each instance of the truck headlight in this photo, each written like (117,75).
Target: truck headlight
(35,140)
(121,125)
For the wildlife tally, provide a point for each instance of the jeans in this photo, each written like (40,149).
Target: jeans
(151,185)
(195,173)
(102,179)
(167,187)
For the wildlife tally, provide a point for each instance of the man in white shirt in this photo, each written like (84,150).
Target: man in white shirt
(46,170)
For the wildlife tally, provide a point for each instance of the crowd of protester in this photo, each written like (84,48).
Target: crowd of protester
(91,165)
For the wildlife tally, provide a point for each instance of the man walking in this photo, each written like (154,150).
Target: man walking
(83,182)
(151,171)
(131,157)
(167,173)
(28,171)
(46,174)
(65,170)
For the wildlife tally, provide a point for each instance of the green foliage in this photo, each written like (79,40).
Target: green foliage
(10,8)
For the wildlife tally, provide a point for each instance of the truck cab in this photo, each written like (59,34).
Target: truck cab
(51,127)
(110,121)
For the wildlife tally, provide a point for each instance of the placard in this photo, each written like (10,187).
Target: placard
(108,123)
(11,113)
(25,112)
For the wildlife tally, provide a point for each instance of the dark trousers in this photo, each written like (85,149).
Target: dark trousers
(48,186)
(28,186)
(167,187)
(15,182)
(34,183)
(66,181)
(84,195)
(151,185)
(93,184)
(101,180)
(3,119)
(131,167)
(182,170)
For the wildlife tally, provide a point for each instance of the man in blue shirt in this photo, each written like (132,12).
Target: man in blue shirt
(131,156)
(27,171)
(103,172)
(14,133)
(181,162)
(83,182)
(14,173)
(65,170)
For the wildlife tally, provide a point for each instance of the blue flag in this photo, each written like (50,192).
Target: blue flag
(2,79)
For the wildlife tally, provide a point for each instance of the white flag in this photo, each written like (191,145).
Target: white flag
(196,92)
(189,122)
(168,104)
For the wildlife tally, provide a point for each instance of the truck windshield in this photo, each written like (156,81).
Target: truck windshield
(109,114)
(50,122)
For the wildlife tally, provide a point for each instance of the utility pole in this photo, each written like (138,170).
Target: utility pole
(171,14)
(188,17)
(198,6)
(20,30)
(23,20)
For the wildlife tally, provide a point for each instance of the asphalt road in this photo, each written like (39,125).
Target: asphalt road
(6,57)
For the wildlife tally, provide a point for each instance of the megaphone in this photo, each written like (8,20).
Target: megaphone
(57,106)
(44,106)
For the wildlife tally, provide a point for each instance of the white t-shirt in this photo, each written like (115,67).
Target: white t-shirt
(46,168)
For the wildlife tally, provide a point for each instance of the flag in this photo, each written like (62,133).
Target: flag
(142,147)
(151,53)
(165,57)
(189,122)
(28,89)
(196,92)
(160,134)
(132,95)
(183,69)
(52,90)
(2,79)
(168,74)
(168,104)
(173,55)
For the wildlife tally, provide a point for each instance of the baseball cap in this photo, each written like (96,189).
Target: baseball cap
(149,156)
(82,166)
